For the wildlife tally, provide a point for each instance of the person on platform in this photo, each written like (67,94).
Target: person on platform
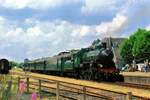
(134,66)
(146,66)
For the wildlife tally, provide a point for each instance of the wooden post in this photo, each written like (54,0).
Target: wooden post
(57,90)
(27,84)
(18,82)
(7,95)
(40,88)
(11,78)
(84,93)
(9,84)
(129,96)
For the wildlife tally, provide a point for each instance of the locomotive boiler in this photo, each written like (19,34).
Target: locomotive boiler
(92,63)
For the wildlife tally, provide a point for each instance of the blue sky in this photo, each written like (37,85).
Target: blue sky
(41,28)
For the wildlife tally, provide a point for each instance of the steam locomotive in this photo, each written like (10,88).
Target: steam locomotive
(92,63)
(4,66)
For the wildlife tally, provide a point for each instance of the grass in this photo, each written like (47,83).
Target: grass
(9,90)
(5,87)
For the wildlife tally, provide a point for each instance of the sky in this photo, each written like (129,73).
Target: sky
(42,28)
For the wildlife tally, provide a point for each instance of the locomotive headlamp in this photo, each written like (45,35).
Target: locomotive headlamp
(100,65)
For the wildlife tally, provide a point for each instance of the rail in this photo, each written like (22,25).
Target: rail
(67,87)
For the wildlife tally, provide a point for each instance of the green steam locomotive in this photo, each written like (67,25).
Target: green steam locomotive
(91,63)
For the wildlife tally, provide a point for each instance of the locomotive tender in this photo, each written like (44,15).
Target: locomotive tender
(91,63)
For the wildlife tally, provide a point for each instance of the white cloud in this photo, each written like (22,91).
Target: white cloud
(133,15)
(40,38)
(84,30)
(99,5)
(147,27)
(6,57)
(35,4)
(112,28)
(35,38)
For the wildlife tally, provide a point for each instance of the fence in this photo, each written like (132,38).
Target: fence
(59,88)
(83,89)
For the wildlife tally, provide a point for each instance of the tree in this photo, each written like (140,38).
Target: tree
(141,48)
(137,46)
(126,51)
(14,64)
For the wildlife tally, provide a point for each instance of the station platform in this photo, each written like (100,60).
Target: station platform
(138,74)
(137,77)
